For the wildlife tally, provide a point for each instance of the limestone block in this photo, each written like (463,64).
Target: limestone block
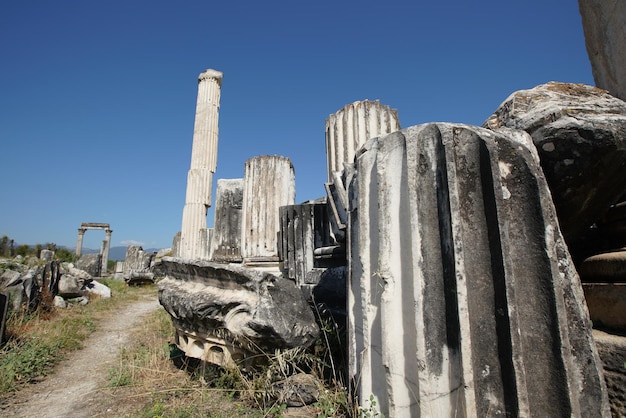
(463,300)
(580,134)
(612,350)
(70,286)
(245,309)
(269,183)
(138,277)
(604,24)
(21,287)
(98,288)
(137,259)
(607,309)
(91,263)
(59,302)
(226,242)
(46,255)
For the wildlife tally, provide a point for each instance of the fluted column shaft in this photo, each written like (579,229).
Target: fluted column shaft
(193,240)
(79,243)
(349,128)
(269,183)
(463,300)
(106,245)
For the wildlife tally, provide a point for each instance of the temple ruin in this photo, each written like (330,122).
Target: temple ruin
(106,243)
(439,244)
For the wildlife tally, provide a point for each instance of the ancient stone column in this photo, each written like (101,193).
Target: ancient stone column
(79,244)
(269,183)
(226,245)
(463,299)
(193,239)
(351,126)
(604,23)
(106,246)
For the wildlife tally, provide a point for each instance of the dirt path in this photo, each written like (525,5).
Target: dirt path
(73,390)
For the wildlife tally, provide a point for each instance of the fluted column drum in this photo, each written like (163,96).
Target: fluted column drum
(463,298)
(351,126)
(269,183)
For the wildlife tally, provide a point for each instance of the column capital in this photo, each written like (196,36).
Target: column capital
(211,74)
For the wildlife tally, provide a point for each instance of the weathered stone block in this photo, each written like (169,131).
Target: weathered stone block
(269,183)
(607,305)
(137,259)
(612,350)
(580,134)
(219,309)
(91,263)
(226,242)
(463,299)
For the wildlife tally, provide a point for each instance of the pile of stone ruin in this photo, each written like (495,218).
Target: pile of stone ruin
(479,270)
(28,282)
(452,252)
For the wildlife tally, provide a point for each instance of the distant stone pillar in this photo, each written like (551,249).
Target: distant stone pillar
(463,300)
(79,244)
(351,126)
(193,239)
(226,245)
(106,246)
(269,183)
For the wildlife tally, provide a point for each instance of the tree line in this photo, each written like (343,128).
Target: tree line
(9,250)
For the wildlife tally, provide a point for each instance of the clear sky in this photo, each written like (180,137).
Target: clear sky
(97,98)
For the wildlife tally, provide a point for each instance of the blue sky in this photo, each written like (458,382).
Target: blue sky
(97,98)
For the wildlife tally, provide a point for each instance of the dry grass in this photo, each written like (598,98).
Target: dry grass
(37,341)
(158,381)
(147,378)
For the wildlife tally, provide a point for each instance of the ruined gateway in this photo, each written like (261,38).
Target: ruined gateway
(439,242)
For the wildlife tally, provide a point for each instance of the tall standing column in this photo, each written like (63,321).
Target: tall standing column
(349,128)
(193,239)
(79,244)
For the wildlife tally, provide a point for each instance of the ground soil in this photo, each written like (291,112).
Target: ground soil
(77,388)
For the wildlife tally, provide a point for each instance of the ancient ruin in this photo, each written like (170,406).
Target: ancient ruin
(350,127)
(226,241)
(106,244)
(268,183)
(225,313)
(438,245)
(461,288)
(580,134)
(194,244)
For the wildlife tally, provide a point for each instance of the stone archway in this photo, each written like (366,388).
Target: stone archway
(106,244)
